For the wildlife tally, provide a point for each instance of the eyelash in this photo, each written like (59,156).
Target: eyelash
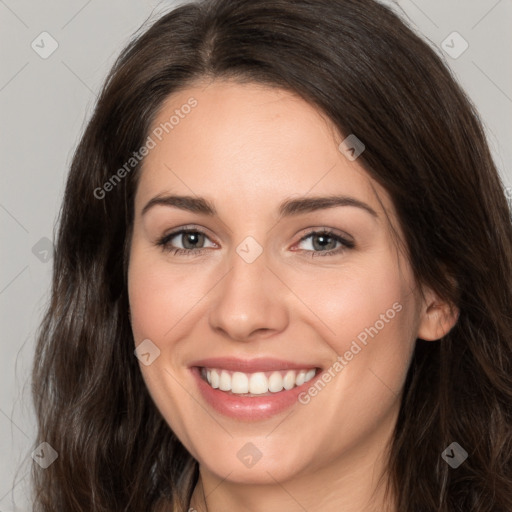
(164,243)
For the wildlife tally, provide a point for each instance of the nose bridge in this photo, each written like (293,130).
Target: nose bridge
(249,266)
(250,297)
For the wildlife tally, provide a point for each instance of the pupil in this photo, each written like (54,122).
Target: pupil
(323,241)
(189,236)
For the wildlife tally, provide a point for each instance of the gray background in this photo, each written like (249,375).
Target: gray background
(45,104)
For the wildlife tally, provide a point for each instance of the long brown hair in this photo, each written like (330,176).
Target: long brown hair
(357,62)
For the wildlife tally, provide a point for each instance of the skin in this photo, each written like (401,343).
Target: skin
(246,148)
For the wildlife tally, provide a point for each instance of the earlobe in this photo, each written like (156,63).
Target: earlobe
(437,319)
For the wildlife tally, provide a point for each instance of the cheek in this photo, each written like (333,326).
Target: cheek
(146,298)
(367,315)
(160,295)
(370,292)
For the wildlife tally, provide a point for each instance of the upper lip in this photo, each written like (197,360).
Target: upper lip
(264,364)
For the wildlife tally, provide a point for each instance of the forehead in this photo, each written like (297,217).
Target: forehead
(248,143)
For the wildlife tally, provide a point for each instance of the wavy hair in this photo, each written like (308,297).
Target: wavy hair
(357,62)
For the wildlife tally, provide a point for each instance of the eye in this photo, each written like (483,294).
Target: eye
(323,243)
(191,239)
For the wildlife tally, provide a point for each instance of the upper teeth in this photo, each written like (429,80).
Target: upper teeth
(256,383)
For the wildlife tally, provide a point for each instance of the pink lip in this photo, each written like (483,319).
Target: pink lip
(251,365)
(245,408)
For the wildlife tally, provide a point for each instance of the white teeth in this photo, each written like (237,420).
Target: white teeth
(256,383)
(275,382)
(289,380)
(213,378)
(225,381)
(239,383)
(300,378)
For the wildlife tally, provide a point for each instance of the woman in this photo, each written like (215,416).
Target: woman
(197,354)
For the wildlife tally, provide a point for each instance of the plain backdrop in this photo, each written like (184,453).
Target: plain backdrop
(46,102)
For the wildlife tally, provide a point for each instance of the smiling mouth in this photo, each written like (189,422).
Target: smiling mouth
(258,383)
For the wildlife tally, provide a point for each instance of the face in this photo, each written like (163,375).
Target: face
(268,288)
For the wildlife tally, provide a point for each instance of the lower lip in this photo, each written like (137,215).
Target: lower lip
(246,408)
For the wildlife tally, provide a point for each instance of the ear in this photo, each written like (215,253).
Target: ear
(437,317)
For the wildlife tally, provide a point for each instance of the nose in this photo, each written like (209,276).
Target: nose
(250,302)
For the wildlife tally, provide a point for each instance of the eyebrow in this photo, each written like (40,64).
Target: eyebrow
(288,208)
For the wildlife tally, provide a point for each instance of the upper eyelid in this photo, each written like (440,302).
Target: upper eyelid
(185,229)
